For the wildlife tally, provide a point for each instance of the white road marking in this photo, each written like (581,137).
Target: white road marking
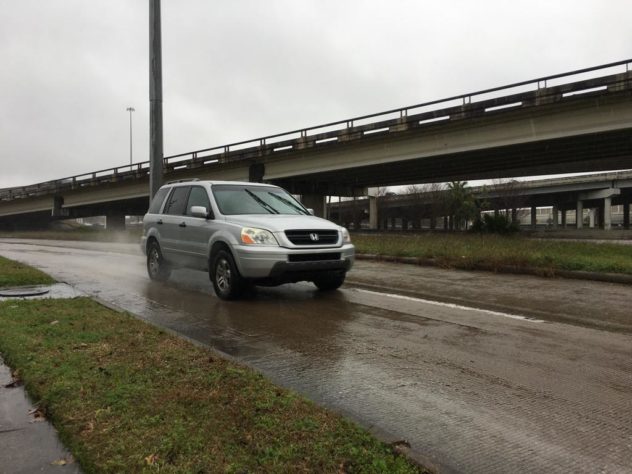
(450,305)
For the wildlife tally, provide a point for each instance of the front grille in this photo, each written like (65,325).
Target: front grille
(312,237)
(314,257)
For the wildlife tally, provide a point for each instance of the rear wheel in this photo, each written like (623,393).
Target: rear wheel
(330,282)
(157,268)
(227,282)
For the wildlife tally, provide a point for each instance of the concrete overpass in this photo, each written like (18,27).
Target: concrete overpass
(556,124)
(554,202)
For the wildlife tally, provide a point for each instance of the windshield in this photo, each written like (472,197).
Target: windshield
(243,199)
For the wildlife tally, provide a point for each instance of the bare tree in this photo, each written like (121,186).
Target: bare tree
(382,211)
(437,199)
(509,195)
(417,207)
(426,201)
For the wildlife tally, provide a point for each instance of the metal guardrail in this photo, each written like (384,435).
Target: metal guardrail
(426,113)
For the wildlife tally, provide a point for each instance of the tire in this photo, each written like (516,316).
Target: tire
(330,282)
(227,282)
(157,268)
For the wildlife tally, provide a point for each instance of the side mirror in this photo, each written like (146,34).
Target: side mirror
(311,211)
(199,211)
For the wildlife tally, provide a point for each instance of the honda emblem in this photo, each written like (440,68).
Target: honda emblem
(313,237)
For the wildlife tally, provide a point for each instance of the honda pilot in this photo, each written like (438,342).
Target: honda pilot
(243,234)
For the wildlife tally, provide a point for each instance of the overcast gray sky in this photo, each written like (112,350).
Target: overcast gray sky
(239,69)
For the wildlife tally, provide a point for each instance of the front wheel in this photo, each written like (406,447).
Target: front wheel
(157,268)
(227,282)
(330,282)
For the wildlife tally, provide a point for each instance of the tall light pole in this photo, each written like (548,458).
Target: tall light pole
(130,110)
(155,99)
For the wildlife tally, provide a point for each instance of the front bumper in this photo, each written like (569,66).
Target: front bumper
(274,262)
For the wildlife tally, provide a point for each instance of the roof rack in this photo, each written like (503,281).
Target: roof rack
(182,180)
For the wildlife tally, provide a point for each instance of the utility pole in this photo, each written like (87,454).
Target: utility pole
(130,110)
(155,99)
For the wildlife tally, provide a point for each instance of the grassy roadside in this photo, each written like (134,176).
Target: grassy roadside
(16,274)
(471,251)
(127,397)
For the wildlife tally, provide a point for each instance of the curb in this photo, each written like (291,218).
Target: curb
(620,278)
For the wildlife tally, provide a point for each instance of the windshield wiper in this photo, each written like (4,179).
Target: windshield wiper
(261,202)
(288,203)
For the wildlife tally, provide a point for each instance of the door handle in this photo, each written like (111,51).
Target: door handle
(183,224)
(159,221)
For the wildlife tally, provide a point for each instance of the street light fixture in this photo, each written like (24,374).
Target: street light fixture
(130,110)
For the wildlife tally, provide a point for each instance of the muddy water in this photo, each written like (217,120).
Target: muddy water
(471,390)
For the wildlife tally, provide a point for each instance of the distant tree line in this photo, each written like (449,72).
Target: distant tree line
(452,202)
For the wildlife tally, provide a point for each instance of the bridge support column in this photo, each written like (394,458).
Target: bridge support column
(514,215)
(58,210)
(579,215)
(626,215)
(563,212)
(373,217)
(115,222)
(599,214)
(591,218)
(534,217)
(607,213)
(555,216)
(256,171)
(316,202)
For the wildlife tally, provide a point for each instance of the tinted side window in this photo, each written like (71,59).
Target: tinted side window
(156,203)
(198,197)
(177,201)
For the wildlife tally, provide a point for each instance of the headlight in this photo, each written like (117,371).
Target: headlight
(346,238)
(252,236)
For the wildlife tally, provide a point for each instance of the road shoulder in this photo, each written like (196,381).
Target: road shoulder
(585,303)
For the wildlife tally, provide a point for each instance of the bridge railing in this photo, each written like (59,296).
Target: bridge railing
(519,94)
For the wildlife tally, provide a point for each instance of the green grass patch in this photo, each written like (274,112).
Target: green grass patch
(469,251)
(17,274)
(127,397)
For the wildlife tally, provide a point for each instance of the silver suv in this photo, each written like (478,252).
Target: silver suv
(242,234)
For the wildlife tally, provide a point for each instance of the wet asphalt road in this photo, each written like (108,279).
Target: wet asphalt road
(540,381)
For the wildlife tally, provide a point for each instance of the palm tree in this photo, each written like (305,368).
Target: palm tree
(461,204)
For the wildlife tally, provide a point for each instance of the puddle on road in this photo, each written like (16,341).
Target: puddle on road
(56,291)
